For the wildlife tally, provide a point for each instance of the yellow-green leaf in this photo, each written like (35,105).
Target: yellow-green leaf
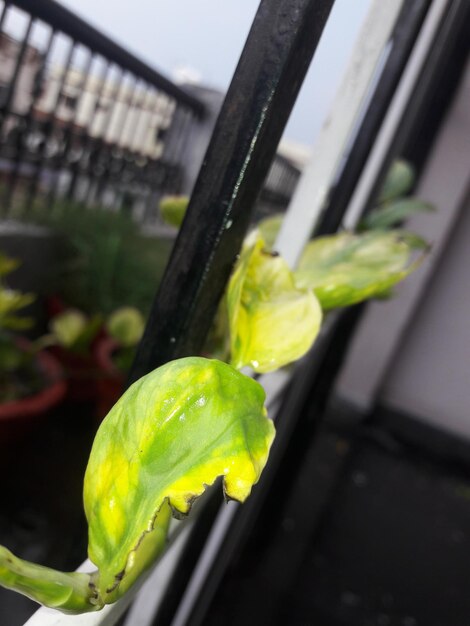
(126,325)
(170,435)
(173,209)
(272,322)
(346,268)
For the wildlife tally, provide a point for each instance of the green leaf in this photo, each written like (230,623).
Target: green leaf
(126,326)
(392,214)
(272,322)
(344,269)
(170,435)
(173,209)
(398,182)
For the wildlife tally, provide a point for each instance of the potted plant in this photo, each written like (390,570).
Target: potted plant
(31,380)
(71,338)
(114,353)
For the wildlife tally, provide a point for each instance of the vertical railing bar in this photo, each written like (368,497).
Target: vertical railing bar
(104,178)
(16,72)
(265,86)
(49,127)
(133,99)
(166,146)
(68,130)
(175,140)
(29,118)
(138,103)
(85,134)
(183,138)
(146,102)
(100,142)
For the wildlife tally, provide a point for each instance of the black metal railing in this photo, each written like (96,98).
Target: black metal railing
(81,118)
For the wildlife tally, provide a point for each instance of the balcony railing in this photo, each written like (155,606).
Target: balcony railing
(81,118)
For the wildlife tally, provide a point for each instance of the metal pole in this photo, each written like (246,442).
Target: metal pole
(281,43)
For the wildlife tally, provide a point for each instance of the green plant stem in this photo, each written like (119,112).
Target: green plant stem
(70,592)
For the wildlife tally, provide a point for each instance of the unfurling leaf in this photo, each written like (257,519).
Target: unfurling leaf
(393,213)
(272,322)
(170,435)
(398,182)
(345,269)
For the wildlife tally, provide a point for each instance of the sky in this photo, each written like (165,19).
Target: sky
(207,36)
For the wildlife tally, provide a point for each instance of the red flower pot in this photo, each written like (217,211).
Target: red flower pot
(20,416)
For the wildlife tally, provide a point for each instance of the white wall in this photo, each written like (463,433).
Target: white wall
(413,352)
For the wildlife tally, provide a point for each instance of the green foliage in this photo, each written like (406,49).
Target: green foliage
(178,429)
(17,376)
(345,268)
(393,213)
(173,209)
(11,301)
(272,321)
(392,206)
(105,261)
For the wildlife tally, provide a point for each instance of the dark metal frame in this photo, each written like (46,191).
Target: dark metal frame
(267,80)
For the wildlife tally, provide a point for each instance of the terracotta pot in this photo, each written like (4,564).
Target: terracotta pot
(110,382)
(20,416)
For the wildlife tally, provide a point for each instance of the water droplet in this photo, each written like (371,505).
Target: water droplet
(255,363)
(228,224)
(172,339)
